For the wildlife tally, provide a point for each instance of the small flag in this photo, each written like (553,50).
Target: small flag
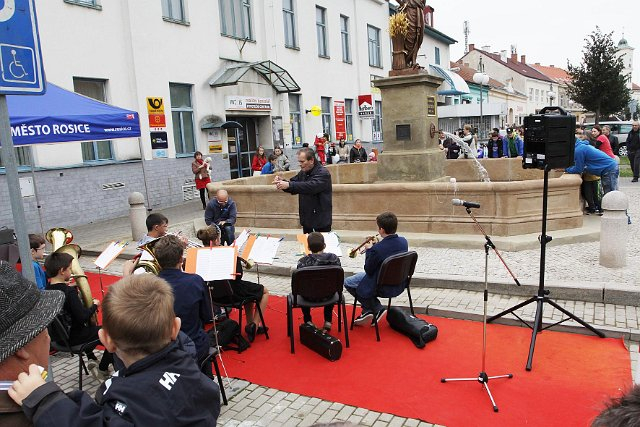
(131,116)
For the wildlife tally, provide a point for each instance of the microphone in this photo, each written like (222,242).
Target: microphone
(458,202)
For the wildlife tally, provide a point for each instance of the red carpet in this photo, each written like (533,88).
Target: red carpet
(572,374)
(571,378)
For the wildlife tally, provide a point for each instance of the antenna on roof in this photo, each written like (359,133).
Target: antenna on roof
(466,30)
(514,49)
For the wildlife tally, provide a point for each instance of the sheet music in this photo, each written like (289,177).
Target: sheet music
(242,239)
(216,263)
(332,241)
(264,249)
(109,254)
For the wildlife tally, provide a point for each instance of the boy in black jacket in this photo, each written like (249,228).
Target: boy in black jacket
(160,384)
(316,244)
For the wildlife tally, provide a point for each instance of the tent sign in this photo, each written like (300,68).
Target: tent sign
(21,68)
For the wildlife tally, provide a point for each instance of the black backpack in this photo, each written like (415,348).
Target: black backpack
(228,336)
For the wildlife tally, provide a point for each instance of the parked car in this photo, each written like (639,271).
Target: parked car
(621,130)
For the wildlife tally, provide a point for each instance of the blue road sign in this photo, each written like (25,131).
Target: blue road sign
(21,68)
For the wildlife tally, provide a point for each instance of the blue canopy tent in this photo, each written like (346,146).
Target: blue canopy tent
(63,116)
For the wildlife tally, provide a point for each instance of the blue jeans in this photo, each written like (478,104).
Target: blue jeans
(228,234)
(368,304)
(609,179)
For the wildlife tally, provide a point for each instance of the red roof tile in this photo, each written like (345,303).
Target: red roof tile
(635,86)
(519,67)
(555,73)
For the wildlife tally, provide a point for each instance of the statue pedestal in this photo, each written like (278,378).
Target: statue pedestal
(409,115)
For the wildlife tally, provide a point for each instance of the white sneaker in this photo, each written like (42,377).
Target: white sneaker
(365,317)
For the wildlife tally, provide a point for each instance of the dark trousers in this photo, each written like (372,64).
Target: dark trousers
(634,161)
(328,313)
(204,203)
(307,230)
(591,194)
(90,333)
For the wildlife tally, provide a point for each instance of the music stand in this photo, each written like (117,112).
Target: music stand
(542,296)
(482,377)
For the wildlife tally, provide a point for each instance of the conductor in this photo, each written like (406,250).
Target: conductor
(313,185)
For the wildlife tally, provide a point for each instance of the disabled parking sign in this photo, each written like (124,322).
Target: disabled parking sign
(21,68)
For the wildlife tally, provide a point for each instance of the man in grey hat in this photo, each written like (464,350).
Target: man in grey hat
(25,313)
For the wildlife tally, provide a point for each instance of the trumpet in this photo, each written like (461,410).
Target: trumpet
(361,249)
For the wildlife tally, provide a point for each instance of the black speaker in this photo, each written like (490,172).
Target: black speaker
(549,139)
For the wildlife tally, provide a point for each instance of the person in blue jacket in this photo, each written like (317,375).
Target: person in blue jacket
(363,285)
(270,166)
(512,144)
(589,159)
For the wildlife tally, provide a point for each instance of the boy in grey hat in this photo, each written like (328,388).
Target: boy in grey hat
(25,313)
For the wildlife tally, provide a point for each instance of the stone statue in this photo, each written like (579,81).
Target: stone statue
(407,42)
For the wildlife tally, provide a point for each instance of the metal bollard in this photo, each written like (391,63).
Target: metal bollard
(137,215)
(614,230)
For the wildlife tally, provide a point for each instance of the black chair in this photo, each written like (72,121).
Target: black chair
(211,357)
(310,286)
(221,293)
(395,271)
(60,342)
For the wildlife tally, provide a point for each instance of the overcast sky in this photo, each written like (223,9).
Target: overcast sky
(548,32)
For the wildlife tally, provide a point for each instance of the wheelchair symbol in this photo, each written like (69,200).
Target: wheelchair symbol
(17,63)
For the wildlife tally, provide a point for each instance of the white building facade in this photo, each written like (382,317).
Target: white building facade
(261,65)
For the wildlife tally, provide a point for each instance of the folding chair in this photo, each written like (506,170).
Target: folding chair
(395,276)
(317,286)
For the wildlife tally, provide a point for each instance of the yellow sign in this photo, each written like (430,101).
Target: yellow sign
(155,105)
(215,148)
(315,110)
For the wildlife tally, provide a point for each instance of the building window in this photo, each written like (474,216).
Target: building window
(235,17)
(173,10)
(325,104)
(94,4)
(321,31)
(182,116)
(295,117)
(93,151)
(537,95)
(530,94)
(437,55)
(377,122)
(373,34)
(344,36)
(289,18)
(23,156)
(348,118)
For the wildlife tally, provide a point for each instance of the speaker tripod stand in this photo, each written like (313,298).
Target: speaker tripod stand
(542,296)
(482,377)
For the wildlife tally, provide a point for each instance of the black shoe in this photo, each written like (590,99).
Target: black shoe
(379,316)
(251,329)
(262,330)
(634,180)
(364,317)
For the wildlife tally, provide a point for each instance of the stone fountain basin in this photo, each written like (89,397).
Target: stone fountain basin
(511,204)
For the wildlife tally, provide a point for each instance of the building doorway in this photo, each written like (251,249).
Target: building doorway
(241,144)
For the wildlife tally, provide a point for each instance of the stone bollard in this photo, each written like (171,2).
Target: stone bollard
(614,230)
(137,215)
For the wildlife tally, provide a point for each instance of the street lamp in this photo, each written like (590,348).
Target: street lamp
(551,94)
(482,79)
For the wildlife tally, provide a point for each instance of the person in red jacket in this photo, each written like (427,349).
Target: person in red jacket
(319,143)
(601,141)
(259,160)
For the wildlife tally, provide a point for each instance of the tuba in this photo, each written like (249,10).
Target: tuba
(60,239)
(148,265)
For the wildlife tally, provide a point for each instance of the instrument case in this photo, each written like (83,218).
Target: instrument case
(418,330)
(325,345)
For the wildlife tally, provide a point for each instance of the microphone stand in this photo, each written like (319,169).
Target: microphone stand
(482,377)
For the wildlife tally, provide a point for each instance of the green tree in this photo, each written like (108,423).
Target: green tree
(598,83)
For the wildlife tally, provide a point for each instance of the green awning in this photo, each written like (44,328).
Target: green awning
(278,77)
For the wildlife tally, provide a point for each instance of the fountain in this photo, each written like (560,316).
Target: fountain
(413,179)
